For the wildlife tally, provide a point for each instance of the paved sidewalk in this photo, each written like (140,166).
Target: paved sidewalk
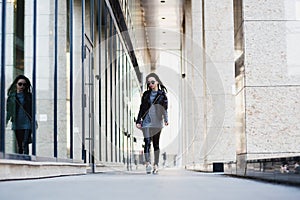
(168,184)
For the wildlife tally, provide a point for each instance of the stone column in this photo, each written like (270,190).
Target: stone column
(199,82)
(209,65)
(218,64)
(187,93)
(272,78)
(195,80)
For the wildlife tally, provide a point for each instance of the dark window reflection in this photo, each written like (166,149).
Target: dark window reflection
(19,36)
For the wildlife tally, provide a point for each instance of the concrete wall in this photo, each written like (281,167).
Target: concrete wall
(269,96)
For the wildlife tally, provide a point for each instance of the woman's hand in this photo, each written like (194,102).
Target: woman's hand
(139,126)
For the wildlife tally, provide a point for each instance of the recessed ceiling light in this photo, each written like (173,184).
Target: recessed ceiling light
(163,18)
(164,32)
(162,1)
(164,43)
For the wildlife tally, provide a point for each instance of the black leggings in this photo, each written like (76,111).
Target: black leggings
(154,135)
(22,136)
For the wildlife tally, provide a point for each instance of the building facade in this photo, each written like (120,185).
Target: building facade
(80,58)
(233,73)
(242,73)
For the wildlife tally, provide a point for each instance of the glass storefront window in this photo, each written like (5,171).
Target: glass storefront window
(72,86)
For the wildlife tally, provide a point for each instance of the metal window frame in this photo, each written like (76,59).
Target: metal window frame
(2,112)
(100,71)
(55,153)
(34,78)
(106,14)
(83,153)
(71,77)
(111,27)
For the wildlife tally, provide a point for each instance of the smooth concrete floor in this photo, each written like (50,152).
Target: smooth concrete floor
(168,184)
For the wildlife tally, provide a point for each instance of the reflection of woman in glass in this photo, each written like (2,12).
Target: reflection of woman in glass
(19,111)
(152,114)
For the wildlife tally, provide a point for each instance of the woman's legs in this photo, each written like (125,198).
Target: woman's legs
(27,134)
(22,140)
(20,137)
(147,140)
(154,135)
(155,138)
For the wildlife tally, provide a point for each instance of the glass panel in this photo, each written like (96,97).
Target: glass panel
(62,82)
(87,92)
(44,77)
(104,54)
(108,90)
(112,94)
(121,60)
(106,86)
(117,99)
(14,66)
(115,79)
(88,18)
(78,72)
(102,116)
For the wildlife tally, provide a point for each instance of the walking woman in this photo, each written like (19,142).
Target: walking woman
(19,111)
(152,117)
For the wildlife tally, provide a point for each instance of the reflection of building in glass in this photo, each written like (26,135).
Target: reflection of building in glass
(86,73)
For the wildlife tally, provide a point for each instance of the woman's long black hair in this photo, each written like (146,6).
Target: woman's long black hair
(13,86)
(160,84)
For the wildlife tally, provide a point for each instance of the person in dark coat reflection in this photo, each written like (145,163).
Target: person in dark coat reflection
(19,111)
